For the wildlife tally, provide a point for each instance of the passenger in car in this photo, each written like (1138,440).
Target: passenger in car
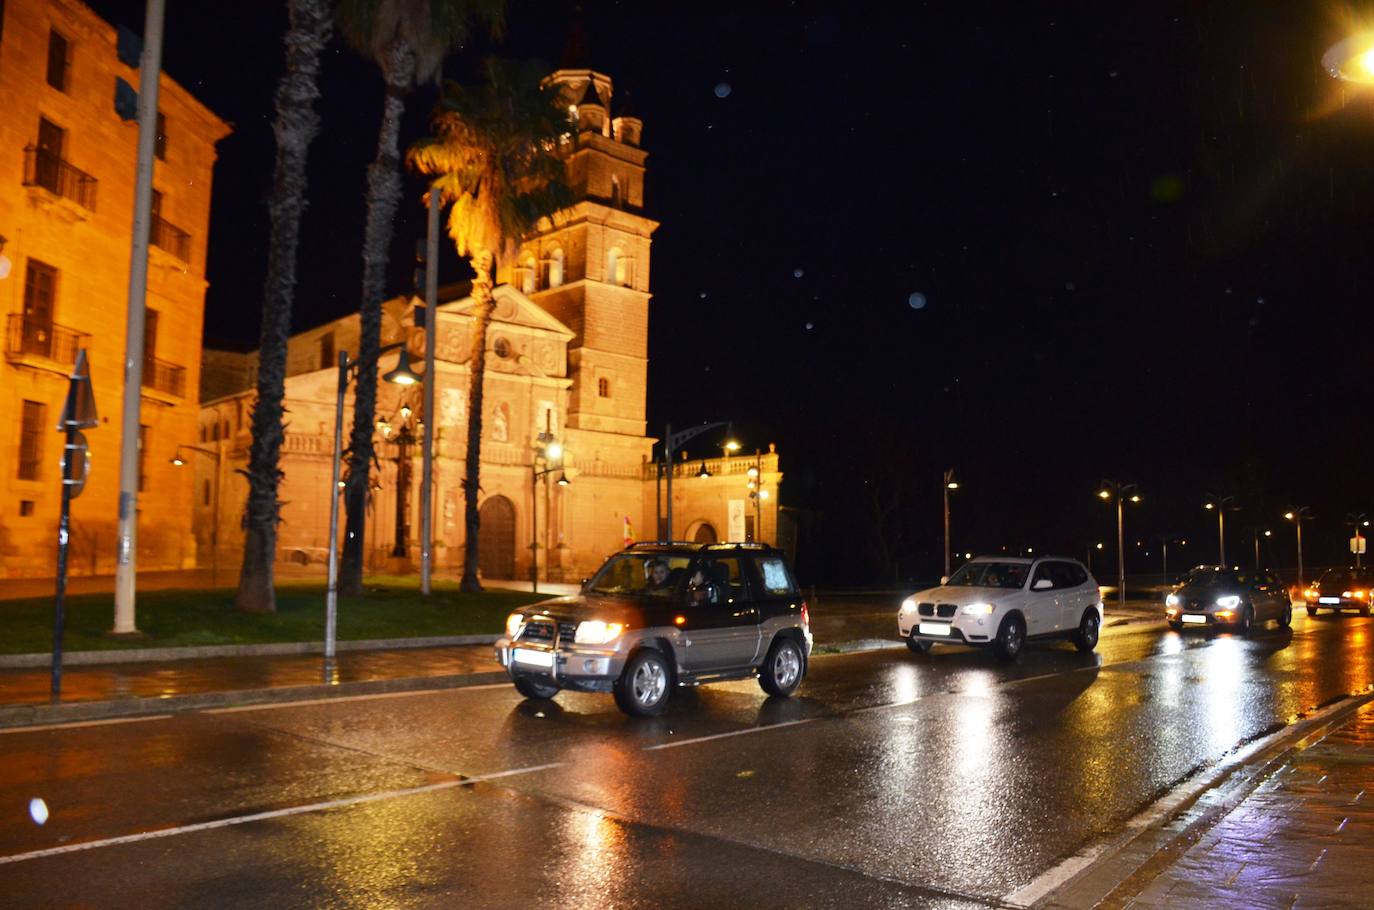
(700,589)
(657,570)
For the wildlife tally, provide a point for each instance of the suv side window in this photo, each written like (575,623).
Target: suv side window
(777,581)
(1068,575)
(1046,571)
(725,577)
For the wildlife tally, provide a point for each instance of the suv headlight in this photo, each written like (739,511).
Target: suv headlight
(1230,601)
(513,624)
(908,606)
(981,609)
(1171,600)
(596,632)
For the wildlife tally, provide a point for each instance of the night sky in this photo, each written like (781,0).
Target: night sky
(1137,234)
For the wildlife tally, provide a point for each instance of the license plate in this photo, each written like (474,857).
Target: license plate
(1194,618)
(1328,600)
(933,628)
(533,658)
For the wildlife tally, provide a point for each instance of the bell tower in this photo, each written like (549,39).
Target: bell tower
(590,269)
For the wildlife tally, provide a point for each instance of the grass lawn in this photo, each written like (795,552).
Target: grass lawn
(391,608)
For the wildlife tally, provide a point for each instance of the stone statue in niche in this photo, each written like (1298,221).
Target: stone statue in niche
(500,423)
(545,358)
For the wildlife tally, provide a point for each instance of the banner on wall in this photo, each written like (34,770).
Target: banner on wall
(736,524)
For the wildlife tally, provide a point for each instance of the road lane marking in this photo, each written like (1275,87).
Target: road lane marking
(84,723)
(271,814)
(746,731)
(343,698)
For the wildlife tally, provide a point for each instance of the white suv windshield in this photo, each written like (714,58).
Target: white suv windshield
(991,575)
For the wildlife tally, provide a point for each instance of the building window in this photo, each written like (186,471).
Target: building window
(603,387)
(556,268)
(47,163)
(25,505)
(205,492)
(31,441)
(58,62)
(142,457)
(525,275)
(326,350)
(40,299)
(502,348)
(160,142)
(618,268)
(616,199)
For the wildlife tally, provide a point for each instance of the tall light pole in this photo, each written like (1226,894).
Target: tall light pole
(1255,535)
(1297,515)
(951,484)
(402,375)
(431,379)
(214,509)
(1121,492)
(1219,504)
(548,452)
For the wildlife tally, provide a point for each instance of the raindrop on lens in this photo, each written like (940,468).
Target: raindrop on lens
(723,90)
(810,326)
(797,273)
(917,301)
(38,811)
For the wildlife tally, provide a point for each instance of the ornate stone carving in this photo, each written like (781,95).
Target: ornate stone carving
(452,344)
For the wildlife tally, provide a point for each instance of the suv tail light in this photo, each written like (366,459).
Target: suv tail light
(806,615)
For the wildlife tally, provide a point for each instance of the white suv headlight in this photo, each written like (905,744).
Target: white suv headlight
(1229,602)
(1171,601)
(596,632)
(980,609)
(908,606)
(513,624)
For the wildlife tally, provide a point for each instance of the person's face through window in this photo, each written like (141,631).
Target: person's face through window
(658,575)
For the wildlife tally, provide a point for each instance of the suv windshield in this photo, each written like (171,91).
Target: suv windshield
(1341,578)
(641,574)
(991,575)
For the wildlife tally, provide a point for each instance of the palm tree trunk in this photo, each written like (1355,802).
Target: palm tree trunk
(481,295)
(311,24)
(383,198)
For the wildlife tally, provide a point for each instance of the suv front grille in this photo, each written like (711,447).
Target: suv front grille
(538,631)
(945,611)
(566,632)
(926,609)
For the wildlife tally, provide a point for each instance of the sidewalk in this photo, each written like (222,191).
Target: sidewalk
(1302,838)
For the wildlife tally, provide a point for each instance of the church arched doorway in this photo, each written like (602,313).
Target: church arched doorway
(496,540)
(701,532)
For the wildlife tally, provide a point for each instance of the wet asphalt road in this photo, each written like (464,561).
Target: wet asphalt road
(891,780)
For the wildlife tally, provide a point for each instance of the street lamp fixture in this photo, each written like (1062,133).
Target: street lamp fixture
(731,446)
(1221,505)
(1352,60)
(703,473)
(1120,492)
(547,459)
(949,484)
(401,374)
(671,443)
(1297,515)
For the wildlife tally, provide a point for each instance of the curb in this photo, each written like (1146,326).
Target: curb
(277,649)
(73,712)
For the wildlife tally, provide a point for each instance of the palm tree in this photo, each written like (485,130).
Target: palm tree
(408,40)
(311,23)
(497,157)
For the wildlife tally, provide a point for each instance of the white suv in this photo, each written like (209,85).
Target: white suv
(1001,602)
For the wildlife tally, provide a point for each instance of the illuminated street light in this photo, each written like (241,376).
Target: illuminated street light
(1352,60)
(1119,491)
(950,484)
(1221,505)
(1297,515)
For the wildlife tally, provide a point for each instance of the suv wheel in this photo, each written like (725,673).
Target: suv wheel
(643,688)
(1085,639)
(1247,621)
(1311,611)
(1011,635)
(781,672)
(919,645)
(1286,616)
(531,688)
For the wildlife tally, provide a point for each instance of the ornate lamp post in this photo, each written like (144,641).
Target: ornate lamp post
(214,509)
(548,458)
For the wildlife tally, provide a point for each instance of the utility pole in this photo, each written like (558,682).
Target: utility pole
(431,379)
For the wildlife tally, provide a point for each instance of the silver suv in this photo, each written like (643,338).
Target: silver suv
(662,615)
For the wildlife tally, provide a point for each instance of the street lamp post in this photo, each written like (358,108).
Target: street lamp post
(671,443)
(1219,504)
(1255,535)
(549,452)
(1297,515)
(1090,547)
(404,439)
(1120,492)
(402,375)
(214,508)
(951,484)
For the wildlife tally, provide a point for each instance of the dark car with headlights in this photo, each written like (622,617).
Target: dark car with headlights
(1340,589)
(1227,596)
(657,616)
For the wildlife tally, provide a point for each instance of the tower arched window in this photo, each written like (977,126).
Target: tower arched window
(556,268)
(525,277)
(614,257)
(617,199)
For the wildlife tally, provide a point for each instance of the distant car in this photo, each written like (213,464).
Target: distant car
(658,616)
(1340,589)
(1231,597)
(1000,602)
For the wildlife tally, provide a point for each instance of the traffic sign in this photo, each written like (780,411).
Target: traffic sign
(1358,543)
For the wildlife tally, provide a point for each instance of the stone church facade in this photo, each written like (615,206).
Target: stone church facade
(567,357)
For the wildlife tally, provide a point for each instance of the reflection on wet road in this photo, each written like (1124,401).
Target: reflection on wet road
(890,780)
